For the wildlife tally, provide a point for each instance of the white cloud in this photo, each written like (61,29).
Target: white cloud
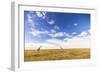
(41,14)
(56,27)
(51,22)
(53,31)
(37,32)
(58,34)
(75,42)
(30,21)
(67,34)
(66,39)
(29,18)
(83,34)
(75,24)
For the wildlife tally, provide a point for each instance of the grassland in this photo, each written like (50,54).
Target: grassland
(56,54)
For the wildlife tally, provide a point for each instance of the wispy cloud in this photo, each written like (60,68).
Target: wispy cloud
(30,21)
(68,35)
(56,27)
(73,33)
(59,34)
(84,34)
(75,24)
(45,17)
(53,31)
(29,18)
(51,22)
(37,32)
(41,14)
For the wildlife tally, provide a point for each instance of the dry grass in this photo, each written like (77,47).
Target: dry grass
(56,54)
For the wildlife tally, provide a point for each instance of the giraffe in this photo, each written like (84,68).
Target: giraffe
(39,48)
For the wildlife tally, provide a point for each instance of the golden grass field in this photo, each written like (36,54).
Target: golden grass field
(56,54)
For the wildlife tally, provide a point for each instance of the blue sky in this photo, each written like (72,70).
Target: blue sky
(41,27)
